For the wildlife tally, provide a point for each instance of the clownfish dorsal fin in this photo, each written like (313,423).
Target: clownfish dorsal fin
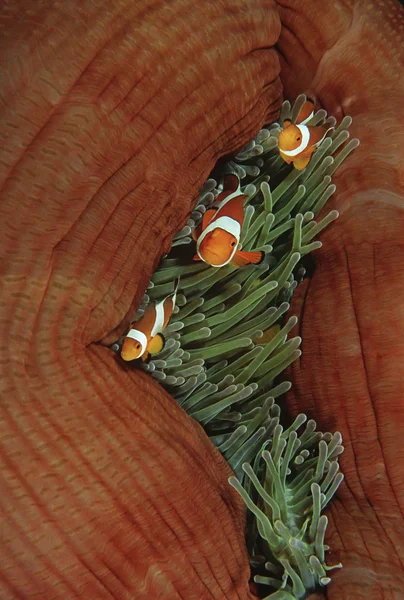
(306,112)
(287,123)
(176,284)
(231,183)
(207,217)
(197,232)
(174,294)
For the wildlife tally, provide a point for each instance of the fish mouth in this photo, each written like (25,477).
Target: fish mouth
(215,256)
(216,261)
(128,356)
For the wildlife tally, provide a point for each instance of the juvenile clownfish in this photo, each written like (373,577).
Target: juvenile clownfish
(269,334)
(297,141)
(218,236)
(145,335)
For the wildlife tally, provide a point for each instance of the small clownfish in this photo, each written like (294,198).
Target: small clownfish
(145,335)
(218,235)
(297,141)
(269,334)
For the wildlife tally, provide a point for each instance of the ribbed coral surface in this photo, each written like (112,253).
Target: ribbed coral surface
(112,116)
(351,312)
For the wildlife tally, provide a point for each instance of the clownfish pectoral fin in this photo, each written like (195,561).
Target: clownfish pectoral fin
(196,232)
(207,217)
(196,257)
(302,162)
(287,159)
(240,259)
(156,344)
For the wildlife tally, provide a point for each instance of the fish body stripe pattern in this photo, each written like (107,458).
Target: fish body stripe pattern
(304,130)
(227,224)
(159,321)
(228,198)
(307,119)
(140,337)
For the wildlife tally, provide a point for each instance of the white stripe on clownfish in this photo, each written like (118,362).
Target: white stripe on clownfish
(223,203)
(304,130)
(140,337)
(160,309)
(227,224)
(159,321)
(307,119)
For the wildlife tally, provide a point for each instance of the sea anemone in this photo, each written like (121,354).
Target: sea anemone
(229,341)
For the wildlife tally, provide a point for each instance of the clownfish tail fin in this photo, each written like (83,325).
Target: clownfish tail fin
(261,260)
(257,257)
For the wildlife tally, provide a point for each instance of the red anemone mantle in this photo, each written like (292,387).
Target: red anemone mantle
(350,375)
(113,115)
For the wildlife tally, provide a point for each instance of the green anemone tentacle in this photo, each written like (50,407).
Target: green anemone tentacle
(228,342)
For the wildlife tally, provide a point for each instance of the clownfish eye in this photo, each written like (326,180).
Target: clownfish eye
(137,346)
(233,244)
(298,138)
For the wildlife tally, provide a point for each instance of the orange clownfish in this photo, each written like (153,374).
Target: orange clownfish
(218,235)
(269,334)
(145,335)
(297,141)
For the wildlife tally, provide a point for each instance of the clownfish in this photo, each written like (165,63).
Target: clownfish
(145,335)
(218,236)
(269,334)
(297,141)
